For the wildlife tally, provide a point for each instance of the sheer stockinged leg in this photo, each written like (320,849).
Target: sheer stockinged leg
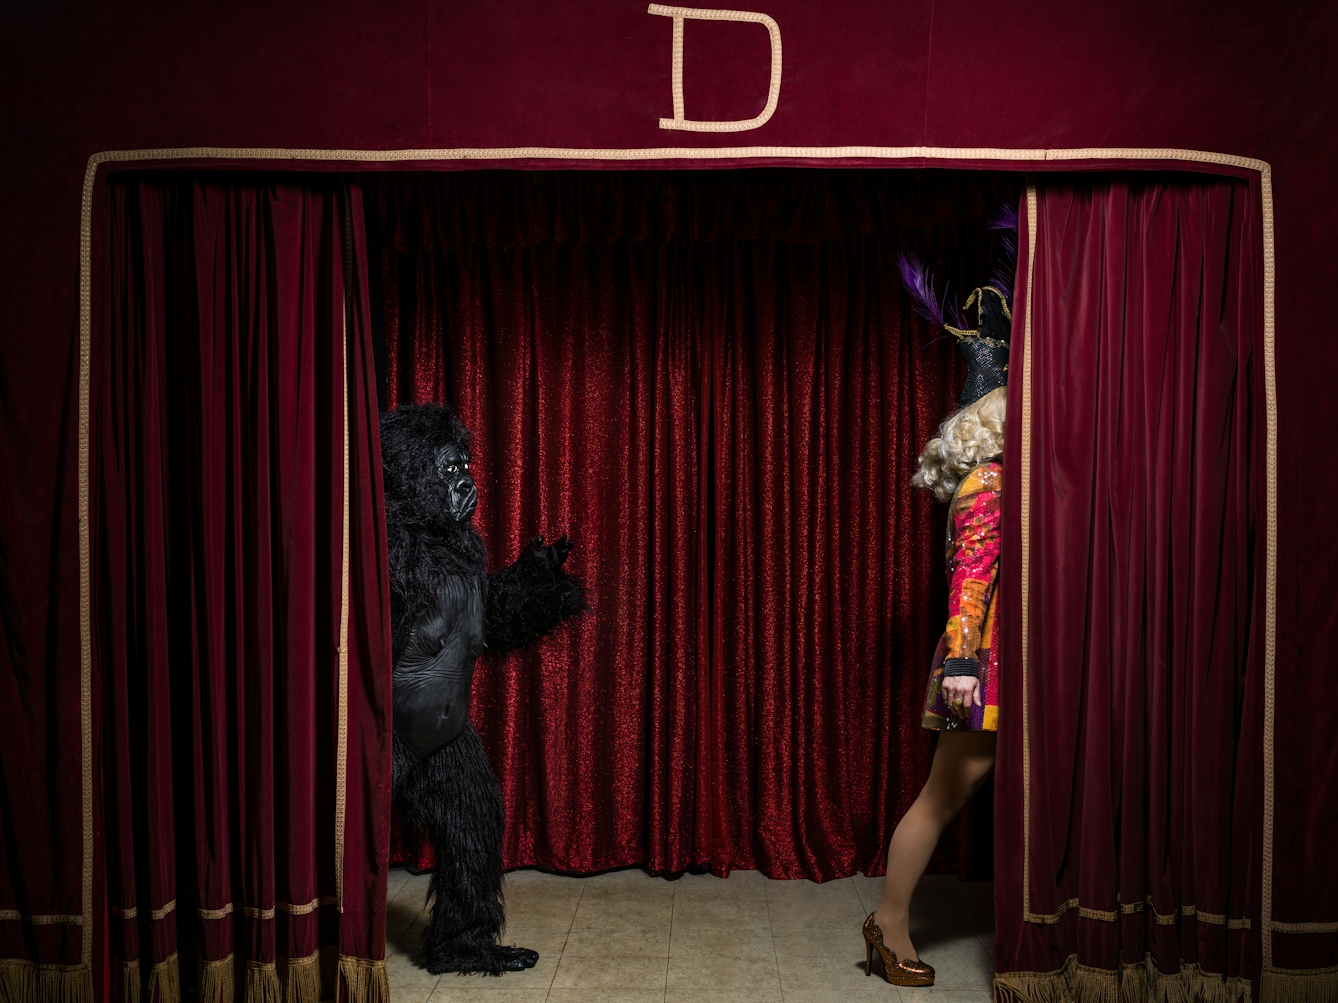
(962,762)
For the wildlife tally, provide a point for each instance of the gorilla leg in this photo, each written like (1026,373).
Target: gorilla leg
(454,796)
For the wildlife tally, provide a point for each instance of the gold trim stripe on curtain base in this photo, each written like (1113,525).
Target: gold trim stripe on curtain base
(1130,908)
(1140,982)
(40,920)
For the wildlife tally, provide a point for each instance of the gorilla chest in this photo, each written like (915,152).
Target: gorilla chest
(433,675)
(460,601)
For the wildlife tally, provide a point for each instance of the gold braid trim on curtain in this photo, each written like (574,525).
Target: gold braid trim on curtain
(1129,908)
(1287,985)
(1140,982)
(341,749)
(28,982)
(39,920)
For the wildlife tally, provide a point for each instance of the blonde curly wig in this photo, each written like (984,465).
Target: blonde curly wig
(970,436)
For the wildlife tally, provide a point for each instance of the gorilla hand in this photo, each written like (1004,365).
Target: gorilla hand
(534,595)
(552,556)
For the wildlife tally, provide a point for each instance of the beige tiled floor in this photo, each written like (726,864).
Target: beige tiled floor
(625,937)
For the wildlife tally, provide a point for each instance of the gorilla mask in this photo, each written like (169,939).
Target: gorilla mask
(425,461)
(462,496)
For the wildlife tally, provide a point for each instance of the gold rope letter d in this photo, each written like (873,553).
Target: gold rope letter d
(708,14)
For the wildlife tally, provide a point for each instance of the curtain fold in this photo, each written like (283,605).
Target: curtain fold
(240,594)
(1129,760)
(714,382)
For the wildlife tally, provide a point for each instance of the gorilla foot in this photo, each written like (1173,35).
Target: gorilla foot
(526,957)
(472,960)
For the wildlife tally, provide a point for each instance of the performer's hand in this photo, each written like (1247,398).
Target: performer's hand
(962,693)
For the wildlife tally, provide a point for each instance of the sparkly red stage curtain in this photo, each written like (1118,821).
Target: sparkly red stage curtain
(1129,801)
(714,382)
(245,766)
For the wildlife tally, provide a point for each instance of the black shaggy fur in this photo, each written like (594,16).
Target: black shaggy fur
(530,598)
(438,575)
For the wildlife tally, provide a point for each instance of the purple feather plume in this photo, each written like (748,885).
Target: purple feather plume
(1003,219)
(920,284)
(1005,270)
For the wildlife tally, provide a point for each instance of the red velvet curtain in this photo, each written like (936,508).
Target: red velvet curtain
(245,765)
(1129,774)
(713,382)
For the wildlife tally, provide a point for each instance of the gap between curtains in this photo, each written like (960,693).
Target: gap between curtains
(714,382)
(236,407)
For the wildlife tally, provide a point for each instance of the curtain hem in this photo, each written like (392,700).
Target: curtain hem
(165,981)
(130,984)
(365,980)
(1298,985)
(295,980)
(218,980)
(302,978)
(1131,983)
(28,982)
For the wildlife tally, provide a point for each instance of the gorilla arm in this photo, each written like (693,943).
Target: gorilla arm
(530,598)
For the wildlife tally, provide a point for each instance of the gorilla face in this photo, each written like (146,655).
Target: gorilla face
(462,496)
(425,458)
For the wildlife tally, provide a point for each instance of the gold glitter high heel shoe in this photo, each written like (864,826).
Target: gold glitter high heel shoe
(898,973)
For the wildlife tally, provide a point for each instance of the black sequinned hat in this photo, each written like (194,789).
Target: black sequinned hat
(985,346)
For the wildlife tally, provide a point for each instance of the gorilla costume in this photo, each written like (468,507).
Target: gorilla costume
(446,610)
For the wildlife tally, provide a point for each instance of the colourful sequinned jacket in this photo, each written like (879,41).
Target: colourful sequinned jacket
(968,644)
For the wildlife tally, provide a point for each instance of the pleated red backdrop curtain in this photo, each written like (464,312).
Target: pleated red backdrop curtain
(238,549)
(1129,773)
(713,381)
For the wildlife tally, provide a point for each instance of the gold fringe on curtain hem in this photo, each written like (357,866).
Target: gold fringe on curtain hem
(28,982)
(1298,985)
(262,983)
(1137,983)
(301,979)
(130,981)
(294,980)
(218,980)
(165,981)
(365,980)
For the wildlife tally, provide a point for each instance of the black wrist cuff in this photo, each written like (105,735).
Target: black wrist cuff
(961,667)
